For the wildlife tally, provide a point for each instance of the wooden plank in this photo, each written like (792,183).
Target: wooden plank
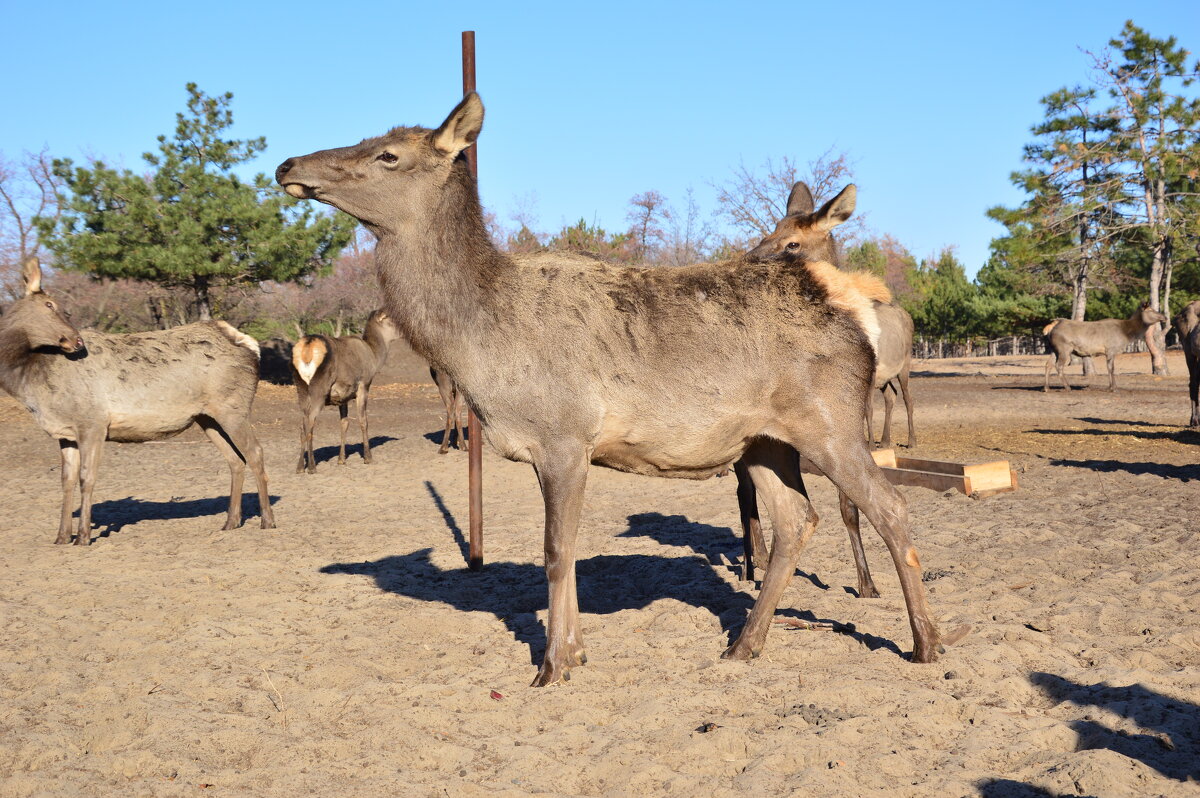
(990,476)
(884,458)
(936,466)
(928,479)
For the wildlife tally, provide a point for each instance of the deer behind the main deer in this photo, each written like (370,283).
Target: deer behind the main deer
(666,372)
(334,371)
(129,388)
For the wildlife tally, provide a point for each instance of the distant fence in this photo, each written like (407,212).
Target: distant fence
(927,348)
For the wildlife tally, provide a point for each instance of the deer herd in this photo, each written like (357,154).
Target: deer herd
(567,360)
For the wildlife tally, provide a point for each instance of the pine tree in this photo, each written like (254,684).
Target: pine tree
(190,221)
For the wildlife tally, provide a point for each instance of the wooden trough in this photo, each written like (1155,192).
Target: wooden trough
(977,481)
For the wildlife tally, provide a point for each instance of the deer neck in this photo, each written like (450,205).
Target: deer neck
(16,356)
(378,342)
(441,274)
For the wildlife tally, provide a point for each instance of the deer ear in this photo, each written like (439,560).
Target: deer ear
(31,270)
(462,127)
(837,210)
(800,201)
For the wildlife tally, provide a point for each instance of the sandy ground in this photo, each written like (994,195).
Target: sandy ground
(349,651)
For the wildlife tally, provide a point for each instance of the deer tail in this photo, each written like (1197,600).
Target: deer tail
(239,337)
(307,356)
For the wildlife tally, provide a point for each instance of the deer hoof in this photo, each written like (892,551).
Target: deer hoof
(267,524)
(549,674)
(738,651)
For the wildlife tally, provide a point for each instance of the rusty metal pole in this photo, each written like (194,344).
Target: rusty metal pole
(474,433)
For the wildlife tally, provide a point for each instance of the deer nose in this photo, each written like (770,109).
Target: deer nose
(283,169)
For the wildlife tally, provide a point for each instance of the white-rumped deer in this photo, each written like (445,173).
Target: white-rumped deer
(129,388)
(1187,325)
(665,372)
(334,371)
(1107,337)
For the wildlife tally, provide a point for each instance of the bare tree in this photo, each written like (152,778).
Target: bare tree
(752,202)
(28,189)
(647,214)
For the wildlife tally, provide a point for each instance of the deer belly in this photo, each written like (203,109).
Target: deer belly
(148,425)
(675,451)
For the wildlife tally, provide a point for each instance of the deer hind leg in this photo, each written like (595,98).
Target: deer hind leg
(91,446)
(908,407)
(344,424)
(1112,371)
(850,466)
(1062,363)
(69,451)
(562,476)
(308,425)
(889,402)
(1193,364)
(460,418)
(237,471)
(866,585)
(754,546)
(360,407)
(774,467)
(241,435)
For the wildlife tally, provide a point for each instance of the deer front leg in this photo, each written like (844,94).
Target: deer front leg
(1112,372)
(360,401)
(91,446)
(754,546)
(69,452)
(562,476)
(866,585)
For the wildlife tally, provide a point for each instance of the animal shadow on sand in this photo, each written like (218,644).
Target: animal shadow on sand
(1172,744)
(1008,788)
(1184,436)
(352,449)
(516,592)
(1185,473)
(439,436)
(116,514)
(720,546)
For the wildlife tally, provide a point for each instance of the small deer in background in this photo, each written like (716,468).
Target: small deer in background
(456,418)
(129,388)
(333,371)
(1107,337)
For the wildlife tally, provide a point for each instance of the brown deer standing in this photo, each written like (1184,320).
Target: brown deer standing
(129,388)
(1187,325)
(803,235)
(333,371)
(452,401)
(1107,337)
(664,372)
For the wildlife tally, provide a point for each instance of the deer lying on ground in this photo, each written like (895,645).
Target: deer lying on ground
(333,371)
(664,372)
(452,401)
(1107,337)
(1187,325)
(129,388)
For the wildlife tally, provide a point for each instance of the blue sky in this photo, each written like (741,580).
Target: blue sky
(589,104)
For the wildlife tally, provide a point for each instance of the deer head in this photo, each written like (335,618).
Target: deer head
(390,177)
(802,234)
(1149,317)
(38,316)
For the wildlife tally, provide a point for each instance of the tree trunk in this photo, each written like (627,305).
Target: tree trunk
(1156,335)
(1079,309)
(203,305)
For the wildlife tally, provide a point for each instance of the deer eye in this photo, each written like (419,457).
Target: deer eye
(793,245)
(386,157)
(50,305)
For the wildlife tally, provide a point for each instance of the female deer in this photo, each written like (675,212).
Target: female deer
(568,363)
